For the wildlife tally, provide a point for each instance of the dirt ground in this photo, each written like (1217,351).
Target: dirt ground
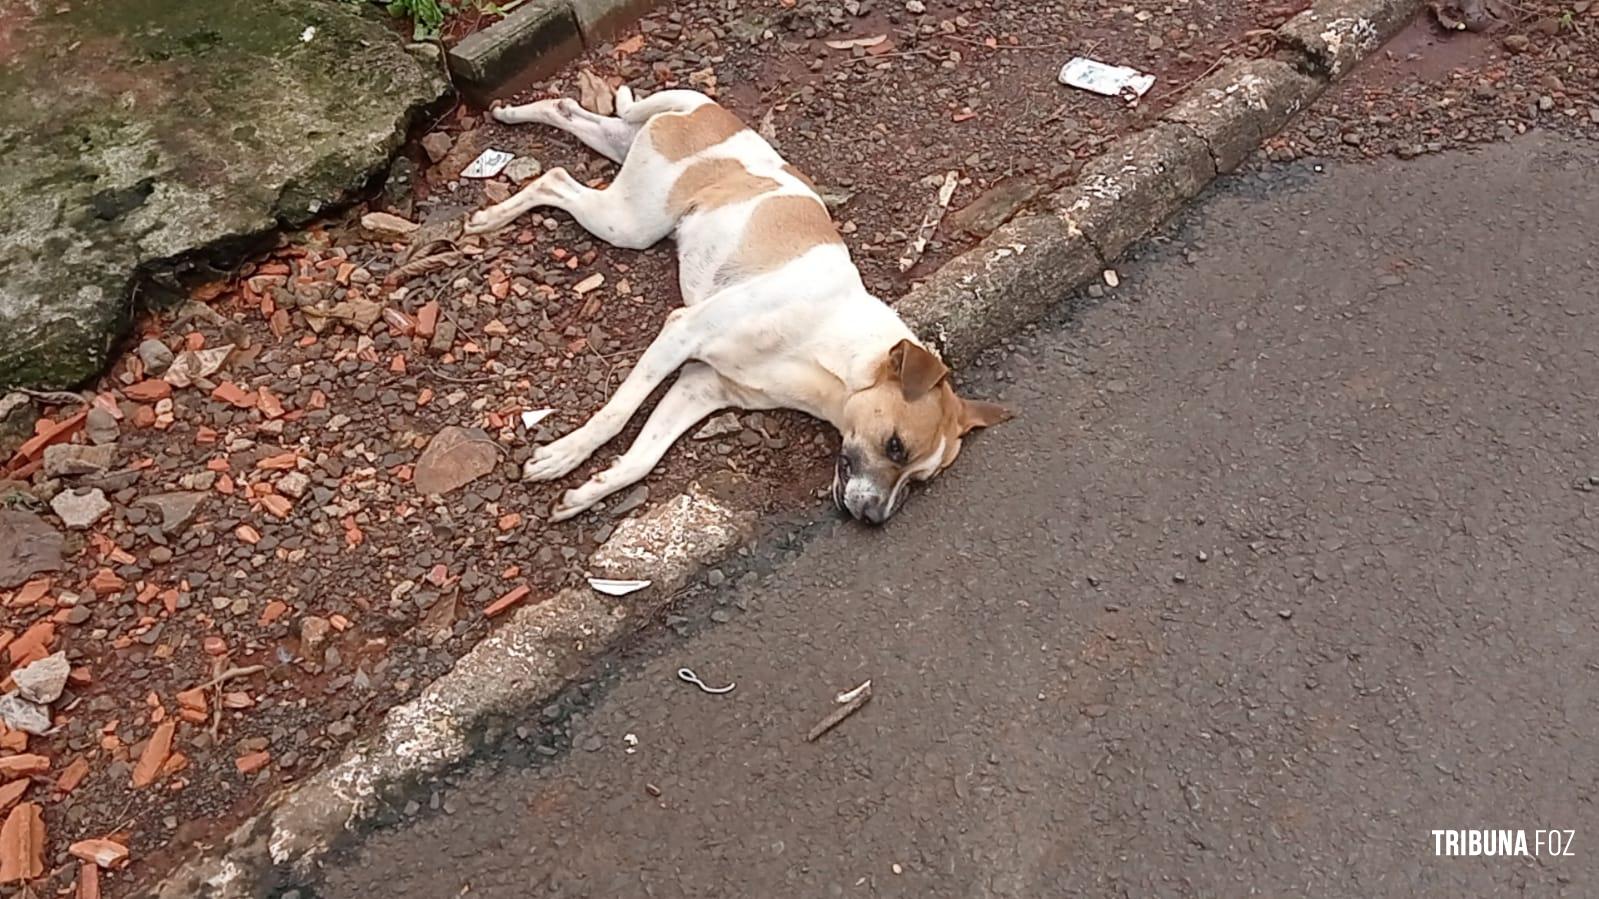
(286,538)
(1432,90)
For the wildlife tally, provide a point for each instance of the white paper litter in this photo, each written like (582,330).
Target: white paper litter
(616,588)
(488,164)
(1104,79)
(532,417)
(308,34)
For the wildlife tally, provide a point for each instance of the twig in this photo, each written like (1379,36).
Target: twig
(930,221)
(423,266)
(230,674)
(474,379)
(1224,57)
(996,45)
(58,397)
(855,699)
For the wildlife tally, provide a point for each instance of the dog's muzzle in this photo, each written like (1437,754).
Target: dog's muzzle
(858,495)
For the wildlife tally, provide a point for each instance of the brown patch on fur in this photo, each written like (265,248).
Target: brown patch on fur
(782,229)
(811,185)
(713,183)
(678,136)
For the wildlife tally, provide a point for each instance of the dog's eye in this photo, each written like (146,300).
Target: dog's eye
(895,450)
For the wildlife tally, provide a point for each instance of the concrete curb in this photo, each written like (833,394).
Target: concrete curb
(1009,280)
(536,40)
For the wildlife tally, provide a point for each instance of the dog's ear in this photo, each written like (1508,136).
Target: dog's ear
(916,369)
(978,414)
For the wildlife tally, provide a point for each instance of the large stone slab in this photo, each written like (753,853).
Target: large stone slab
(147,139)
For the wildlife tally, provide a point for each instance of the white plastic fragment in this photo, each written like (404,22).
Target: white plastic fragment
(532,417)
(616,588)
(488,164)
(1105,79)
(308,34)
(849,695)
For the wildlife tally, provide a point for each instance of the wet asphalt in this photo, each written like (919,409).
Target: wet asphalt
(1290,558)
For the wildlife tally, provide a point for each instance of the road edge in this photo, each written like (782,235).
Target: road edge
(1009,280)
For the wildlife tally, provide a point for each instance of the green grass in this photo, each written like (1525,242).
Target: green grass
(428,16)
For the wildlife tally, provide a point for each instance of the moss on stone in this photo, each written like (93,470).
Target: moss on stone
(143,135)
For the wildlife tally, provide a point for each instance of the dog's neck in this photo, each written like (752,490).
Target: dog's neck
(855,360)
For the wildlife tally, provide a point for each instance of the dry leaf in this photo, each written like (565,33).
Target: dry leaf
(190,365)
(594,94)
(852,43)
(630,46)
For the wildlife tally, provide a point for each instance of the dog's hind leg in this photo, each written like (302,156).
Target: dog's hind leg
(609,136)
(617,215)
(678,341)
(698,392)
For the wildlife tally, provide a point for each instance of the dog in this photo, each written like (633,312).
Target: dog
(774,313)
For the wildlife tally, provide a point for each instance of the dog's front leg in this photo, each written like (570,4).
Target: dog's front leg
(678,341)
(698,392)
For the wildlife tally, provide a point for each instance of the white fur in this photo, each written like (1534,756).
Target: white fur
(803,336)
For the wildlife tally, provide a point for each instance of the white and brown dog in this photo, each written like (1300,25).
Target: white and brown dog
(774,312)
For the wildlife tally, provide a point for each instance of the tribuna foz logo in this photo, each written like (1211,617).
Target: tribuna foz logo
(1502,843)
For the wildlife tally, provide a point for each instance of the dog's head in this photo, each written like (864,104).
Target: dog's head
(906,427)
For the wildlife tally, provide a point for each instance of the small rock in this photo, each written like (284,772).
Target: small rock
(43,681)
(720,426)
(155,355)
(443,338)
(1097,710)
(454,457)
(198,480)
(314,634)
(437,145)
(387,226)
(294,484)
(634,498)
(915,7)
(523,169)
(178,508)
(20,714)
(1517,43)
(996,205)
(101,427)
(78,509)
(69,459)
(28,546)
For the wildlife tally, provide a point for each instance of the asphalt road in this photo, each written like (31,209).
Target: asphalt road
(1287,561)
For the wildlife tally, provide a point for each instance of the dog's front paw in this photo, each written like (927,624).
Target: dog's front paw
(572,504)
(556,459)
(481,222)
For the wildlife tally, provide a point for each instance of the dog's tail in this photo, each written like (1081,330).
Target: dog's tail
(638,112)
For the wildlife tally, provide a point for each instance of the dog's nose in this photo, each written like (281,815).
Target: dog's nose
(876,513)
